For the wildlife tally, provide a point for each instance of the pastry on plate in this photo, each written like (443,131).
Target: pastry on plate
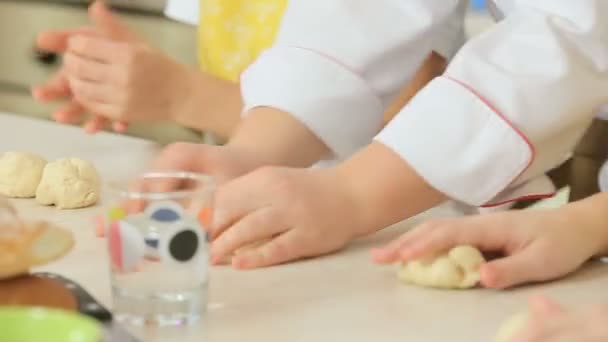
(24,245)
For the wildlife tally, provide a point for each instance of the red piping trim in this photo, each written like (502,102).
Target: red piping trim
(330,58)
(517,130)
(523,198)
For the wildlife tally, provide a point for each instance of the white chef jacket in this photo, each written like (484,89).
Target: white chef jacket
(512,104)
(186,11)
(603,178)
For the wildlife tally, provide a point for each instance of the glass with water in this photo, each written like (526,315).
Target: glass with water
(158,247)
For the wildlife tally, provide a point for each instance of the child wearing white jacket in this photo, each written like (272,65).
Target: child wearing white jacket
(511,106)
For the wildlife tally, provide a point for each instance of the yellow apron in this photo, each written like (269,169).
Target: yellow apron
(232,33)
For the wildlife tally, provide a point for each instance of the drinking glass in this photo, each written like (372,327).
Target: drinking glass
(158,247)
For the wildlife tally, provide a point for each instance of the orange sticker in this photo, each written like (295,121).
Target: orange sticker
(204,217)
(100,227)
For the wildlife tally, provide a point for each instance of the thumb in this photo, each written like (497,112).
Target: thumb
(107,22)
(516,269)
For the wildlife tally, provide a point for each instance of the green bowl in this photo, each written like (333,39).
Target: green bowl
(21,324)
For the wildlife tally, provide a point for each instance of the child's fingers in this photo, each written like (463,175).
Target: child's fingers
(443,237)
(431,237)
(57,41)
(236,199)
(96,124)
(549,330)
(69,113)
(541,306)
(89,91)
(256,226)
(95,97)
(521,267)
(86,69)
(282,249)
(99,49)
(482,232)
(391,252)
(104,20)
(55,88)
(120,126)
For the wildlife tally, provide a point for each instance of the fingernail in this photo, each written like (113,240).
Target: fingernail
(120,127)
(240,263)
(405,254)
(60,117)
(378,254)
(488,277)
(216,259)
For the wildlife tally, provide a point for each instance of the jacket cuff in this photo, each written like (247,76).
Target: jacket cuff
(458,142)
(333,101)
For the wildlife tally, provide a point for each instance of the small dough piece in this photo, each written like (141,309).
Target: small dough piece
(20,174)
(511,327)
(457,269)
(69,184)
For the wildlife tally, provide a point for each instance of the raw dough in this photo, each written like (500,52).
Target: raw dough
(511,327)
(69,184)
(20,174)
(457,269)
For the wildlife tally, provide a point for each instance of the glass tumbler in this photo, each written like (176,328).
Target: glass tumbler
(158,247)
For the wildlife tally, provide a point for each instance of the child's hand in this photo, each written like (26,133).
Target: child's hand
(222,162)
(539,244)
(124,82)
(549,322)
(112,73)
(57,87)
(117,76)
(304,212)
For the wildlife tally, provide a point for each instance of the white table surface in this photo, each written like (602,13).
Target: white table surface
(342,297)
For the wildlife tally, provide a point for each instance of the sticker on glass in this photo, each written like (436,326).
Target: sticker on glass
(165,211)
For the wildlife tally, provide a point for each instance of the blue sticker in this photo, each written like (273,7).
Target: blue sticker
(165,211)
(165,215)
(152,242)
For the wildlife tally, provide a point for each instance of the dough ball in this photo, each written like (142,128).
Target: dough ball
(457,269)
(511,327)
(20,174)
(69,184)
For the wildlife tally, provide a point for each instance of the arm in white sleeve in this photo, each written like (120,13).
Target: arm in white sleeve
(337,64)
(512,104)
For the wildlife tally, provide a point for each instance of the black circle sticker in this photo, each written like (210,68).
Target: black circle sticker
(184,245)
